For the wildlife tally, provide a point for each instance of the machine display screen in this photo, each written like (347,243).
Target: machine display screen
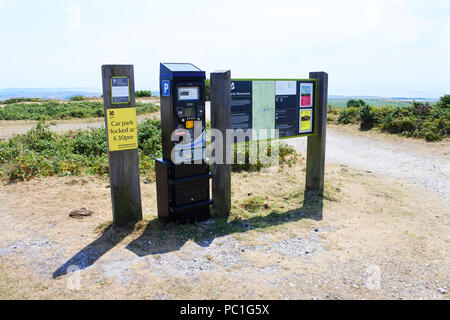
(189,112)
(188,93)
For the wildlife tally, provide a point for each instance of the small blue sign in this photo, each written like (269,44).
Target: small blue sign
(166,88)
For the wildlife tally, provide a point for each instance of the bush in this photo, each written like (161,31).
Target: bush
(77,98)
(62,110)
(208,90)
(348,115)
(17,100)
(287,154)
(421,120)
(367,118)
(143,93)
(444,102)
(353,103)
(41,152)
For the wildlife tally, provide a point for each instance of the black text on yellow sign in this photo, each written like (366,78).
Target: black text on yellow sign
(122,131)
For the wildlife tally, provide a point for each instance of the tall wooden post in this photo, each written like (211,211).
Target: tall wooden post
(123,155)
(315,160)
(220,120)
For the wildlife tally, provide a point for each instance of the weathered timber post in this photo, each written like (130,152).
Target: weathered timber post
(121,136)
(315,163)
(220,120)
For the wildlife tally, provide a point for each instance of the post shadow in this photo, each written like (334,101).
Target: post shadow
(160,237)
(92,252)
(156,240)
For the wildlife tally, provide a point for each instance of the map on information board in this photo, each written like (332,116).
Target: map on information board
(288,106)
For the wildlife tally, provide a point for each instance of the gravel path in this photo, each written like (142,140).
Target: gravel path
(403,159)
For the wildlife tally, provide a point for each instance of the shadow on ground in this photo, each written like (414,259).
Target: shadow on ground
(159,237)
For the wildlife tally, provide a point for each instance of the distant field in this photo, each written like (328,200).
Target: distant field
(342,103)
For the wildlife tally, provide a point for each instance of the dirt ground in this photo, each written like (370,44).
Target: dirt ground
(373,237)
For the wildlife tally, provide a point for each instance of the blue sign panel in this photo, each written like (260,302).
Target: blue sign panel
(166,88)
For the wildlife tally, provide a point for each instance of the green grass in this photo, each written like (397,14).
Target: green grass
(17,100)
(342,103)
(41,152)
(143,93)
(62,110)
(430,122)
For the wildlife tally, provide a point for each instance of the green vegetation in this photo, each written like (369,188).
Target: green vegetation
(422,120)
(355,103)
(62,110)
(77,98)
(143,93)
(208,90)
(41,152)
(287,155)
(17,100)
(342,103)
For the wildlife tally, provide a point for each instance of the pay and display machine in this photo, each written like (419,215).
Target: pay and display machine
(182,175)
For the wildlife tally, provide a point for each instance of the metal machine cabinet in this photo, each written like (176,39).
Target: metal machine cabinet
(182,175)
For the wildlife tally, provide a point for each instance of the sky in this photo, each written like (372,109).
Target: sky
(394,48)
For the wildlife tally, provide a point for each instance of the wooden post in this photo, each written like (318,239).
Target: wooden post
(123,164)
(315,163)
(220,120)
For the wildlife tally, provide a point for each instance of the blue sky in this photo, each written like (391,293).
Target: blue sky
(372,47)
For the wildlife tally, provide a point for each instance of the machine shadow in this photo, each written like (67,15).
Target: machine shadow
(172,236)
(159,237)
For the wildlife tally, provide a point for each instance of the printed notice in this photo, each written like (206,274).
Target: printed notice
(285,88)
(263,102)
(120,91)
(305,121)
(306,95)
(122,131)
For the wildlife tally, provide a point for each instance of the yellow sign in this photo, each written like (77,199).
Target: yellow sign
(305,120)
(122,131)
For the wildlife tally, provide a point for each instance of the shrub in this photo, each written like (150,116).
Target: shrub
(348,115)
(444,102)
(62,110)
(143,93)
(287,154)
(17,100)
(41,152)
(367,118)
(208,90)
(77,98)
(353,103)
(420,120)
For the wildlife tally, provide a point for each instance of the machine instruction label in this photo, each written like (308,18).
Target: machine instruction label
(120,90)
(122,130)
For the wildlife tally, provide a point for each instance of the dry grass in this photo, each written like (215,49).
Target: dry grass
(366,220)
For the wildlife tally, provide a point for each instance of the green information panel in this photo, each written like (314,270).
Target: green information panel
(286,105)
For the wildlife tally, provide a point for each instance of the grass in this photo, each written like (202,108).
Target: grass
(342,103)
(18,100)
(62,110)
(41,152)
(429,122)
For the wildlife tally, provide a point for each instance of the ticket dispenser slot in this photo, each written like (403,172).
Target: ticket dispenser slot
(182,175)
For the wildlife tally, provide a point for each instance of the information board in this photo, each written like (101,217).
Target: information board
(122,131)
(288,105)
(120,90)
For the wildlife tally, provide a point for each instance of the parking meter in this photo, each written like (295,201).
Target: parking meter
(182,175)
